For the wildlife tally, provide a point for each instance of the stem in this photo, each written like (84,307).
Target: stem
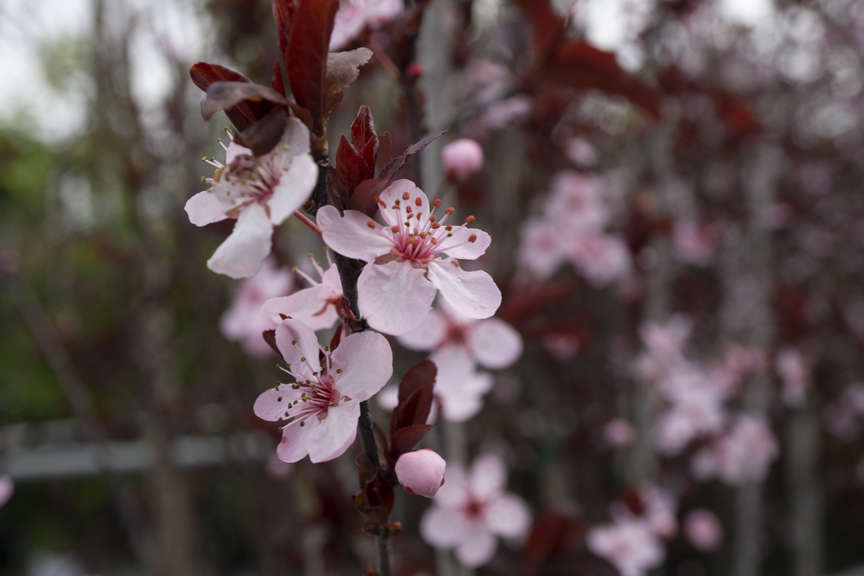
(367,436)
(305,220)
(384,553)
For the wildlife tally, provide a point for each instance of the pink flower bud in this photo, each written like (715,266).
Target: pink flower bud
(462,159)
(421,472)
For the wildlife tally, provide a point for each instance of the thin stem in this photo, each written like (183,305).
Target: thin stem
(384,554)
(308,222)
(367,435)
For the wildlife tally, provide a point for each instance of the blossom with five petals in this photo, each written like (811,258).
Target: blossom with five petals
(315,306)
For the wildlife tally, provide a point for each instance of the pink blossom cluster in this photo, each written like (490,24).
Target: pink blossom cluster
(572,229)
(845,416)
(742,454)
(355,16)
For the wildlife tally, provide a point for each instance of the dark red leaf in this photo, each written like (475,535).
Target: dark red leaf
(343,69)
(551,533)
(277,81)
(364,194)
(263,136)
(413,410)
(270,337)
(204,75)
(349,169)
(224,95)
(399,162)
(404,439)
(420,375)
(363,128)
(283,14)
(306,60)
(547,27)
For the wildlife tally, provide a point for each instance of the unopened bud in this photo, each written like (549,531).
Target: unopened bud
(421,472)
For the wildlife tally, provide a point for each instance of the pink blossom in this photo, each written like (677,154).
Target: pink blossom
(628,544)
(260,193)
(744,454)
(492,342)
(580,151)
(576,202)
(315,306)
(462,159)
(458,386)
(245,321)
(694,408)
(7,488)
(562,346)
(354,16)
(664,347)
(472,509)
(421,472)
(600,258)
(703,530)
(795,376)
(321,407)
(411,258)
(694,243)
(542,250)
(618,433)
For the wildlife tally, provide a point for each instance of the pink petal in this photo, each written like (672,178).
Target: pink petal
(234,150)
(508,516)
(306,306)
(335,434)
(350,234)
(396,191)
(294,188)
(476,548)
(388,398)
(495,343)
(421,472)
(205,208)
(295,139)
(241,254)
(292,447)
(471,294)
(272,404)
(7,488)
(298,346)
(443,527)
(366,364)
(460,407)
(394,297)
(488,476)
(427,335)
(460,245)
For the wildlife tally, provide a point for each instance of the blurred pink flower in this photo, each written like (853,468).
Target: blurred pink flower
(421,472)
(744,454)
(458,386)
(628,544)
(576,201)
(316,306)
(411,258)
(472,509)
(580,151)
(703,530)
(694,243)
(562,346)
(492,342)
(794,375)
(618,433)
(601,258)
(542,250)
(462,159)
(664,347)
(322,406)
(260,193)
(7,488)
(245,321)
(660,510)
(354,16)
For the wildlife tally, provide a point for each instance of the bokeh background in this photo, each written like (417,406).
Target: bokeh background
(125,412)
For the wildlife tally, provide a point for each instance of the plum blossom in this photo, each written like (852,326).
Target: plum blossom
(703,530)
(744,454)
(410,258)
(795,376)
(462,159)
(618,433)
(694,243)
(845,415)
(354,16)
(694,408)
(664,346)
(628,543)
(260,193)
(315,306)
(459,388)
(245,321)
(492,343)
(321,407)
(421,472)
(472,510)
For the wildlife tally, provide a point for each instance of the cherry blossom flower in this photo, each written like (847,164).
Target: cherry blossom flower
(462,159)
(659,512)
(472,510)
(458,386)
(576,201)
(664,347)
(259,193)
(618,433)
(492,342)
(703,530)
(628,543)
(7,488)
(245,321)
(315,306)
(542,250)
(601,258)
(354,16)
(321,407)
(412,257)
(795,376)
(694,243)
(421,472)
(744,454)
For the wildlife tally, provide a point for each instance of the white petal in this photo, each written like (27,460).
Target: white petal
(397,191)
(428,334)
(294,188)
(272,404)
(295,137)
(292,447)
(394,297)
(388,398)
(350,234)
(298,346)
(443,527)
(494,343)
(205,208)
(508,516)
(309,306)
(488,476)
(335,434)
(471,294)
(458,243)
(476,548)
(241,254)
(366,364)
